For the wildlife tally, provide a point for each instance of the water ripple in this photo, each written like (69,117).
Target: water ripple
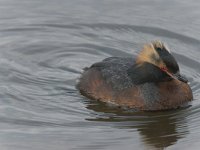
(38,78)
(144,29)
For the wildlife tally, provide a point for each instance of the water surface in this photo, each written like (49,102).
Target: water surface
(44,45)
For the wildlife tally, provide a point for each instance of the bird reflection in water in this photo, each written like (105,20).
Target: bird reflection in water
(158,130)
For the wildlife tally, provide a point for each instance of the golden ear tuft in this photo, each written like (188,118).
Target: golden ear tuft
(149,54)
(159,45)
(146,54)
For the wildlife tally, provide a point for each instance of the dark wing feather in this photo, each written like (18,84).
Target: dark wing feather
(114,71)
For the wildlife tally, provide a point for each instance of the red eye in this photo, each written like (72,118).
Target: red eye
(163,69)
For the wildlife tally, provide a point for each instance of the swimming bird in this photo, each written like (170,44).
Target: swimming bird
(150,81)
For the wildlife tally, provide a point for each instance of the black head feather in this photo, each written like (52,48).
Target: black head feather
(146,72)
(166,57)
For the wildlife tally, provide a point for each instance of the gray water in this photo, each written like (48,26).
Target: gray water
(44,44)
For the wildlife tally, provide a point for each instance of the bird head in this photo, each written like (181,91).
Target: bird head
(159,55)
